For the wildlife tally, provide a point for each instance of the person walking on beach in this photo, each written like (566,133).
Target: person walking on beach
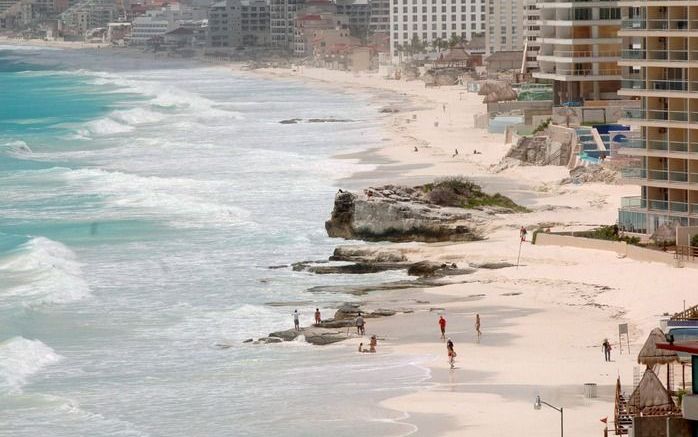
(477,326)
(318,319)
(451,354)
(442,325)
(455,153)
(360,325)
(522,234)
(606,349)
(296,322)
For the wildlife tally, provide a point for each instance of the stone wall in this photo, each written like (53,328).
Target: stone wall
(649,427)
(621,248)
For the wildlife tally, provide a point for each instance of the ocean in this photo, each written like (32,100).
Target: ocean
(142,203)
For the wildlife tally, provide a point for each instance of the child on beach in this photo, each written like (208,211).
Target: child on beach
(451,354)
(373,344)
(442,325)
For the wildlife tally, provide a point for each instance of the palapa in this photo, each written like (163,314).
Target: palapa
(650,355)
(651,398)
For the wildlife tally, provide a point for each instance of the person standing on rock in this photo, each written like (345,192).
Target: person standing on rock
(360,325)
(296,321)
(318,319)
(442,325)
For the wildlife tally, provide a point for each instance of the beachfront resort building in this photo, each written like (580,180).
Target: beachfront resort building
(238,23)
(505,26)
(531,47)
(89,14)
(380,16)
(282,16)
(430,21)
(660,67)
(580,49)
(359,14)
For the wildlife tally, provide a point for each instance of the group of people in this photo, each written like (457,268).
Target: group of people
(359,322)
(450,350)
(296,319)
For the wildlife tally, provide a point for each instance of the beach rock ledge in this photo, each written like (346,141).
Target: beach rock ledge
(443,211)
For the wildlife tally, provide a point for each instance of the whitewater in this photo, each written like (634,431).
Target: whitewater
(141,205)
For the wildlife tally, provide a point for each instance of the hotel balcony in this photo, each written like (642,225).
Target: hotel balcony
(659,178)
(659,148)
(557,4)
(657,56)
(569,56)
(579,74)
(660,118)
(665,27)
(638,204)
(668,88)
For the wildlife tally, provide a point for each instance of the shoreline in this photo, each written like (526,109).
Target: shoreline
(580,294)
(543,323)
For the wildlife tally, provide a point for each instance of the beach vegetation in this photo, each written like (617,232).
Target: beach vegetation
(460,192)
(542,126)
(610,233)
(694,240)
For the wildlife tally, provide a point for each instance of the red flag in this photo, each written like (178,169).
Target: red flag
(604,420)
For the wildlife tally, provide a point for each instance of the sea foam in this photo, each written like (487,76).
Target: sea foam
(21,358)
(41,271)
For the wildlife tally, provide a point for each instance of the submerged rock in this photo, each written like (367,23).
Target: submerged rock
(367,254)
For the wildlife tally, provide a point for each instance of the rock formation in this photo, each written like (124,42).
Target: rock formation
(592,173)
(449,210)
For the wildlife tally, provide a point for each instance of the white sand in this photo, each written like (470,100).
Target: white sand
(545,340)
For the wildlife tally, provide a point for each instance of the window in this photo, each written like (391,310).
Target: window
(414,9)
(453,26)
(414,27)
(582,13)
(453,9)
(609,13)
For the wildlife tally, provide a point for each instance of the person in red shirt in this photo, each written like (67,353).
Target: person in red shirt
(442,325)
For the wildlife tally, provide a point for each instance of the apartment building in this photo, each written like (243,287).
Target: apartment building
(282,15)
(359,14)
(531,24)
(432,20)
(89,14)
(580,49)
(379,17)
(505,26)
(660,67)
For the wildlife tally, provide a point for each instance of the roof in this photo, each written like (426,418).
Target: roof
(650,398)
(181,31)
(455,54)
(688,314)
(650,355)
(505,56)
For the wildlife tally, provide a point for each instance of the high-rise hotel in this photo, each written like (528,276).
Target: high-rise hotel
(660,68)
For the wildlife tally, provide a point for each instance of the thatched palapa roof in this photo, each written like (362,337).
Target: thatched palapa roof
(650,398)
(650,355)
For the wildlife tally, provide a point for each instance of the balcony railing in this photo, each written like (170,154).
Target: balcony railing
(658,205)
(660,85)
(676,25)
(612,71)
(661,115)
(586,54)
(659,55)
(678,177)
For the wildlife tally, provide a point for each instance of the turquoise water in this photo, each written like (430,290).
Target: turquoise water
(141,204)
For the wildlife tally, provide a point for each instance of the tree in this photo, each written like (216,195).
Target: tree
(454,41)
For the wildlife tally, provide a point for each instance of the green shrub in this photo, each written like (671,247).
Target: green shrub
(694,240)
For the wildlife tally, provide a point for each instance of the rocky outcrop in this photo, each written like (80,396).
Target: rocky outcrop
(355,269)
(592,173)
(496,91)
(312,335)
(367,254)
(442,76)
(314,120)
(397,215)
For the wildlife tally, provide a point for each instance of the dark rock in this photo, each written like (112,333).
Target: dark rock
(270,340)
(321,338)
(356,269)
(492,265)
(291,121)
(382,312)
(367,254)
(328,120)
(280,266)
(348,310)
(332,323)
(249,340)
(426,268)
(287,335)
(304,265)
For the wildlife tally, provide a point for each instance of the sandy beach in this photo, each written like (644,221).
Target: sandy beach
(543,323)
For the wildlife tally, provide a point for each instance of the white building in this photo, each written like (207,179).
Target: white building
(531,34)
(432,20)
(282,16)
(505,26)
